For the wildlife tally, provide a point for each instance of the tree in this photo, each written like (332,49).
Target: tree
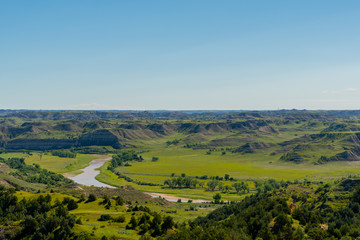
(167,224)
(241,186)
(155,225)
(72,205)
(212,184)
(226,177)
(91,198)
(30,225)
(119,200)
(61,211)
(132,224)
(282,221)
(220,185)
(104,217)
(226,189)
(217,198)
(237,187)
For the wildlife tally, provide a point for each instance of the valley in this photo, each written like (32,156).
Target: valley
(176,164)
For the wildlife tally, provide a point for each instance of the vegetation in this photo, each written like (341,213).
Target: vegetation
(33,173)
(293,212)
(38,218)
(123,158)
(181,182)
(63,153)
(269,175)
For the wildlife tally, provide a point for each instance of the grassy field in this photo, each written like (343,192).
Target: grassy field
(247,166)
(260,165)
(198,160)
(54,163)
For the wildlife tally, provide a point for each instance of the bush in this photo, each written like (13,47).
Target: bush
(104,217)
(119,219)
(91,198)
(72,205)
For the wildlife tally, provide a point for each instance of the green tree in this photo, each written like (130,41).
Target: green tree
(132,224)
(91,198)
(217,198)
(167,224)
(212,184)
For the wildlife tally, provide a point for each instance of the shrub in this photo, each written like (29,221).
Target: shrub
(91,198)
(119,219)
(104,217)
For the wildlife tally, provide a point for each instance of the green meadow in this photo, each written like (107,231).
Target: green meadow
(260,165)
(55,163)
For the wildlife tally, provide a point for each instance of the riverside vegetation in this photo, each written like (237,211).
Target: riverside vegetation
(269,175)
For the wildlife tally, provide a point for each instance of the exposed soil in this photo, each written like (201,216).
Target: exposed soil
(175,199)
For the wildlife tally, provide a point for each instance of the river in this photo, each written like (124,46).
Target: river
(87,177)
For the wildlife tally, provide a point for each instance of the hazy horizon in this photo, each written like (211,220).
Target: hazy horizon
(181,110)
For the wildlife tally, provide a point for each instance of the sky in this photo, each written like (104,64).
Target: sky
(179,55)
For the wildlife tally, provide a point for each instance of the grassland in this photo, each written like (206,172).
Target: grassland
(247,150)
(54,163)
(259,165)
(250,151)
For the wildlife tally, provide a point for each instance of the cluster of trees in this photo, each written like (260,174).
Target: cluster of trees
(270,185)
(33,173)
(270,215)
(63,153)
(122,158)
(226,177)
(181,182)
(241,187)
(184,181)
(151,223)
(107,217)
(143,220)
(213,184)
(39,219)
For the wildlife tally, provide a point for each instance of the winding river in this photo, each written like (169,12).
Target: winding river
(87,177)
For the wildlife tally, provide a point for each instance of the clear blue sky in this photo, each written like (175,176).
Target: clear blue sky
(188,54)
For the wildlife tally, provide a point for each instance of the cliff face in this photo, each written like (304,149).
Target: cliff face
(39,144)
(102,137)
(59,134)
(97,138)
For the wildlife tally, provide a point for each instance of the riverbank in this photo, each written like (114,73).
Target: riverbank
(174,198)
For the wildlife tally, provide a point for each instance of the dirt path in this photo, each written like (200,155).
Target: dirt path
(175,199)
